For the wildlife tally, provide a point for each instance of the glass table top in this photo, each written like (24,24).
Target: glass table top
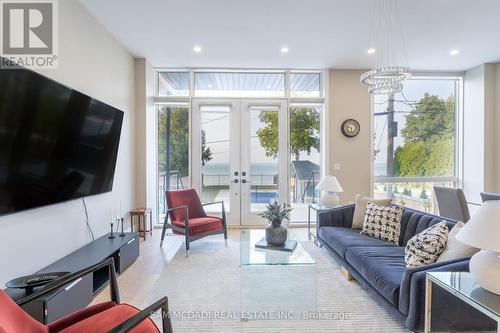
(463,284)
(249,255)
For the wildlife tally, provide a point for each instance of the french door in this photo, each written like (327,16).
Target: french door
(240,155)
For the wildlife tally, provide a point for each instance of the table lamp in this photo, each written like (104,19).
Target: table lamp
(330,185)
(482,231)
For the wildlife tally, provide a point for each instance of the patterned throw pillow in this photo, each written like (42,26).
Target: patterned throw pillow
(426,247)
(383,222)
(358,218)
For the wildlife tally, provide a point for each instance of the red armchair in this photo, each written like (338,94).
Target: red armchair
(188,217)
(111,317)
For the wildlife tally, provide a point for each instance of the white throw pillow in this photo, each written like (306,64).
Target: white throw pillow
(426,247)
(358,217)
(383,222)
(456,249)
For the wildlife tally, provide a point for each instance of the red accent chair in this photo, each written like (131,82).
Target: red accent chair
(111,317)
(188,217)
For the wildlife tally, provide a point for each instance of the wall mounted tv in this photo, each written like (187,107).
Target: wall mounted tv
(56,144)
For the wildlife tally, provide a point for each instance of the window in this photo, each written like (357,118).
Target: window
(279,101)
(415,141)
(304,85)
(173,84)
(305,161)
(239,84)
(173,151)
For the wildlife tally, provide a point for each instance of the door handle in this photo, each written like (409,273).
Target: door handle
(244,181)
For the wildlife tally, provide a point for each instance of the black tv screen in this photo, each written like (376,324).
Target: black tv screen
(56,144)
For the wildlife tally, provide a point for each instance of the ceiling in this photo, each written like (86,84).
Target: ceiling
(318,33)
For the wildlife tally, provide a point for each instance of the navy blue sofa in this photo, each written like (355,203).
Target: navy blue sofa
(379,267)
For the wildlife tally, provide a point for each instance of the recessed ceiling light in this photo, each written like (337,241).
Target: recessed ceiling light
(197,48)
(284,49)
(454,52)
(371,50)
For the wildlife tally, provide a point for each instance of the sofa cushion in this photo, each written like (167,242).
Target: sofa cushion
(383,267)
(201,225)
(454,248)
(340,238)
(358,218)
(383,222)
(426,247)
(414,222)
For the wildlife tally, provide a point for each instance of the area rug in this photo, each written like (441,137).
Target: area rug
(204,296)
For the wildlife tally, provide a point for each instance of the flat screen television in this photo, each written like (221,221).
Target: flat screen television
(56,144)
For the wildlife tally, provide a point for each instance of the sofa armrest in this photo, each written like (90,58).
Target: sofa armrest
(450,313)
(404,290)
(336,217)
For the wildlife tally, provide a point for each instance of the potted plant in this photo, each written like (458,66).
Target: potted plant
(275,213)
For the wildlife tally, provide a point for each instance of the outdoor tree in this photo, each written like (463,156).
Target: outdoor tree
(206,152)
(432,120)
(304,131)
(428,148)
(179,141)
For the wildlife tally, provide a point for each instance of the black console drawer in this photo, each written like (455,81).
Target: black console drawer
(127,254)
(75,296)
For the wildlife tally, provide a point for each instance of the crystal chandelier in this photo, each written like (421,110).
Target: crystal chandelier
(387,43)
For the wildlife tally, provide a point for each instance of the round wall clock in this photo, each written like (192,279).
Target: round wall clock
(350,128)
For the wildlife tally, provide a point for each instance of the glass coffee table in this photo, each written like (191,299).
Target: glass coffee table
(275,284)
(461,285)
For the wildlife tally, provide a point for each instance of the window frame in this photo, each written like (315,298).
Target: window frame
(322,144)
(173,103)
(458,77)
(323,101)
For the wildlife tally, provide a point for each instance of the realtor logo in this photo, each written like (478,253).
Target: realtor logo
(29,33)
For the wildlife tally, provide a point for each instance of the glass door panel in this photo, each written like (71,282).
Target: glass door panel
(215,170)
(216,161)
(262,162)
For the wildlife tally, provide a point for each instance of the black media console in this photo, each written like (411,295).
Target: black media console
(80,293)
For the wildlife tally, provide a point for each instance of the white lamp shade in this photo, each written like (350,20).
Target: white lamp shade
(329,184)
(483,229)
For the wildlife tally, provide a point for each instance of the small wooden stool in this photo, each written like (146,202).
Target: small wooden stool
(142,214)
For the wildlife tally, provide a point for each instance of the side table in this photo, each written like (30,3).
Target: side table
(141,214)
(462,286)
(318,209)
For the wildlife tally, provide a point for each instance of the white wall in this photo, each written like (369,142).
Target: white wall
(473,135)
(93,62)
(497,129)
(350,99)
(480,137)
(145,131)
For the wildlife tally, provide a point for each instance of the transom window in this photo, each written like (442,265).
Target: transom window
(240,84)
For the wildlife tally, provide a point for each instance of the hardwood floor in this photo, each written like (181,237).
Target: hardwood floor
(136,282)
